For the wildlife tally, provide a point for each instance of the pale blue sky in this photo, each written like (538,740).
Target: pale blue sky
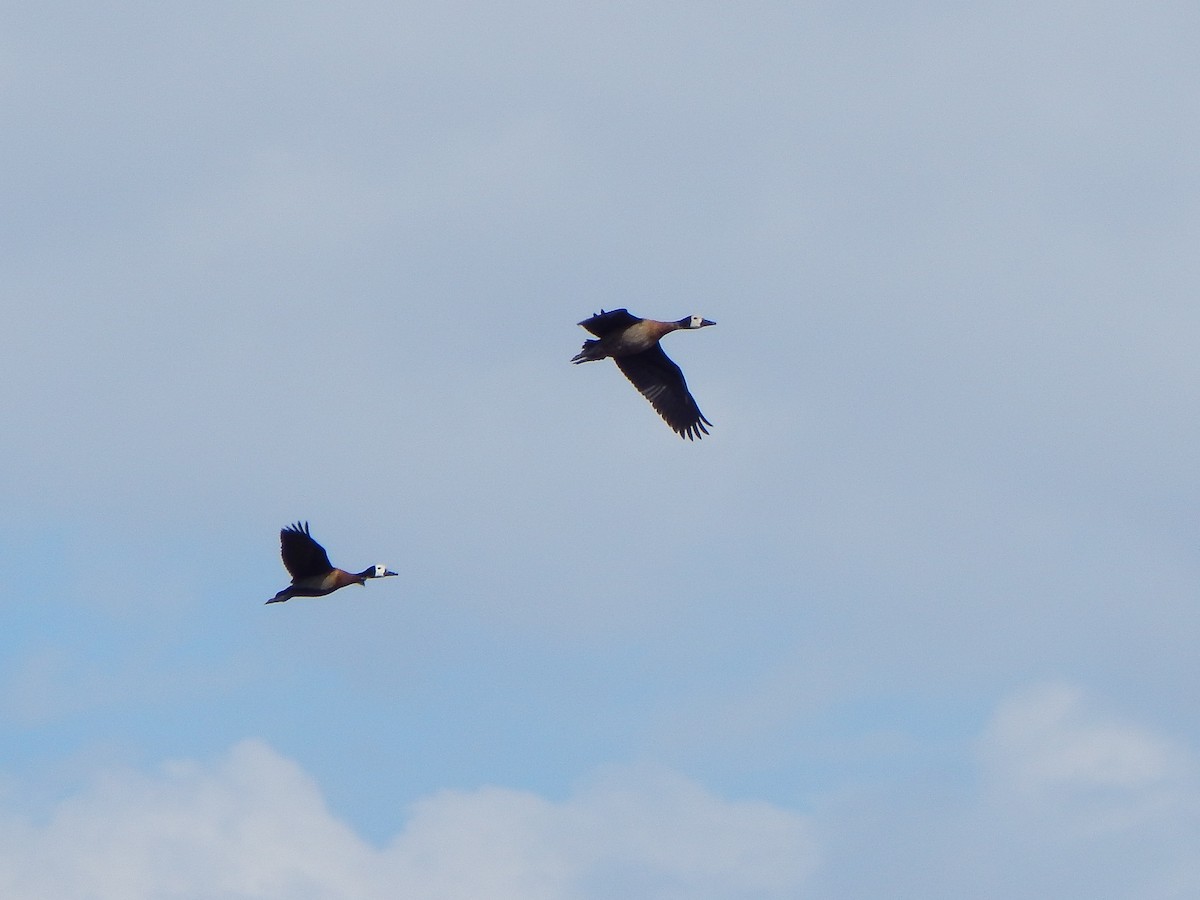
(917,619)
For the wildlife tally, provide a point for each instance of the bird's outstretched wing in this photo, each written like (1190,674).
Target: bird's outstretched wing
(603,323)
(302,556)
(662,383)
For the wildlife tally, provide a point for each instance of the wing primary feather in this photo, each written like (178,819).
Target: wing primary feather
(661,382)
(302,555)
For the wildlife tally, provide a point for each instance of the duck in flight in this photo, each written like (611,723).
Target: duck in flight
(633,345)
(312,573)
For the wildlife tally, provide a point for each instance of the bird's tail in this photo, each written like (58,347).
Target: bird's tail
(590,353)
(285,594)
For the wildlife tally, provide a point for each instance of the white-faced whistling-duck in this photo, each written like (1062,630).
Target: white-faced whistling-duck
(312,573)
(633,345)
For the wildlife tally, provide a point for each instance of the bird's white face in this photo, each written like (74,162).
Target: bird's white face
(380,570)
(696,322)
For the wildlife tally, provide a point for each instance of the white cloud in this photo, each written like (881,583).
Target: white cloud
(1070,802)
(1047,752)
(1060,799)
(255,825)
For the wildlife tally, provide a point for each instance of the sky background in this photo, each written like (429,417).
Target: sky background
(917,619)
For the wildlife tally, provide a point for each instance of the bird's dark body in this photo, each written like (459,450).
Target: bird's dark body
(313,575)
(633,344)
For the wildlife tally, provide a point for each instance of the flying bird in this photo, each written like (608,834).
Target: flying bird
(312,573)
(633,345)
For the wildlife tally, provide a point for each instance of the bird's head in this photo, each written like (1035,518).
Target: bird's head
(694,322)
